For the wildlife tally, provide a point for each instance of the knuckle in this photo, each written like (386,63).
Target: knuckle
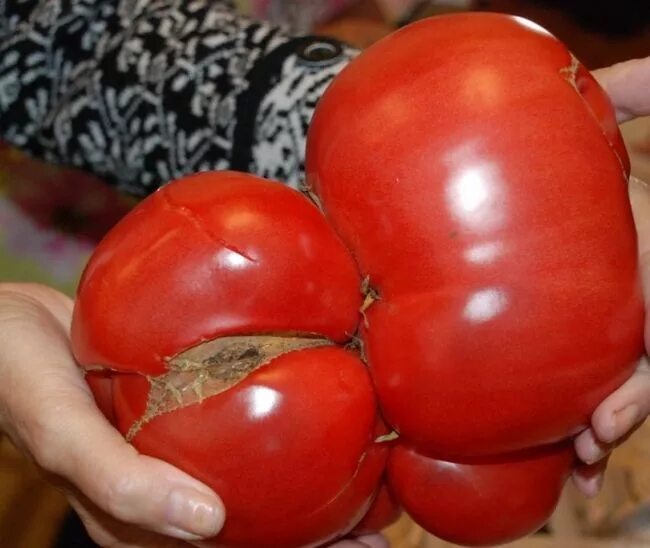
(43,444)
(118,494)
(46,432)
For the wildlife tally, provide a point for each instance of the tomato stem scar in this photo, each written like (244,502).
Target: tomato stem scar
(387,437)
(306,188)
(370,296)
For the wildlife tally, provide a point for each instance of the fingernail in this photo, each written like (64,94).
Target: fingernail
(592,486)
(590,451)
(625,419)
(194,515)
(374,541)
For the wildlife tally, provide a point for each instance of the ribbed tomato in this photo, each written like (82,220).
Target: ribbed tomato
(474,168)
(477,252)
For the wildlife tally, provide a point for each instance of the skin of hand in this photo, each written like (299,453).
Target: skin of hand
(124,499)
(628,85)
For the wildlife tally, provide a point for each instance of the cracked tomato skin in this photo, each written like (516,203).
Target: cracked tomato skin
(487,501)
(475,170)
(290,450)
(214,255)
(291,447)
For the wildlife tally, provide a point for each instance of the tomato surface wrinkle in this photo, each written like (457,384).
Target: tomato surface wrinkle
(342,492)
(570,74)
(344,487)
(447,288)
(203,228)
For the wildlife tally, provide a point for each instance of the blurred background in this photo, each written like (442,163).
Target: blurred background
(51,218)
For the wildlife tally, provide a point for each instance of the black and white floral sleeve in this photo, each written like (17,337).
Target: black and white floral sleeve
(141,92)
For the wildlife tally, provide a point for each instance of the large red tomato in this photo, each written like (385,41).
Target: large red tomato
(214,310)
(473,167)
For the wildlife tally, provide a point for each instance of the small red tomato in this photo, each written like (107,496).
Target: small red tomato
(481,502)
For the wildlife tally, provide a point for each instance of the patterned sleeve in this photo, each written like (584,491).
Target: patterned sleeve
(141,92)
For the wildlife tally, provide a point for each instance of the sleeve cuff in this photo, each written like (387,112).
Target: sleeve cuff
(273,114)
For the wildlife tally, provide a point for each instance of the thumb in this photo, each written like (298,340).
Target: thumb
(47,409)
(640,200)
(627,85)
(131,487)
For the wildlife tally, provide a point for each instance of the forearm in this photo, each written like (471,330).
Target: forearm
(143,97)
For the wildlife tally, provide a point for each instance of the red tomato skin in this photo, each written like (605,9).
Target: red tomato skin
(481,503)
(101,386)
(384,512)
(601,107)
(494,387)
(218,254)
(492,218)
(385,509)
(290,449)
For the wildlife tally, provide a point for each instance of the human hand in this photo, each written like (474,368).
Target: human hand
(123,498)
(627,85)
(617,417)
(367,541)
